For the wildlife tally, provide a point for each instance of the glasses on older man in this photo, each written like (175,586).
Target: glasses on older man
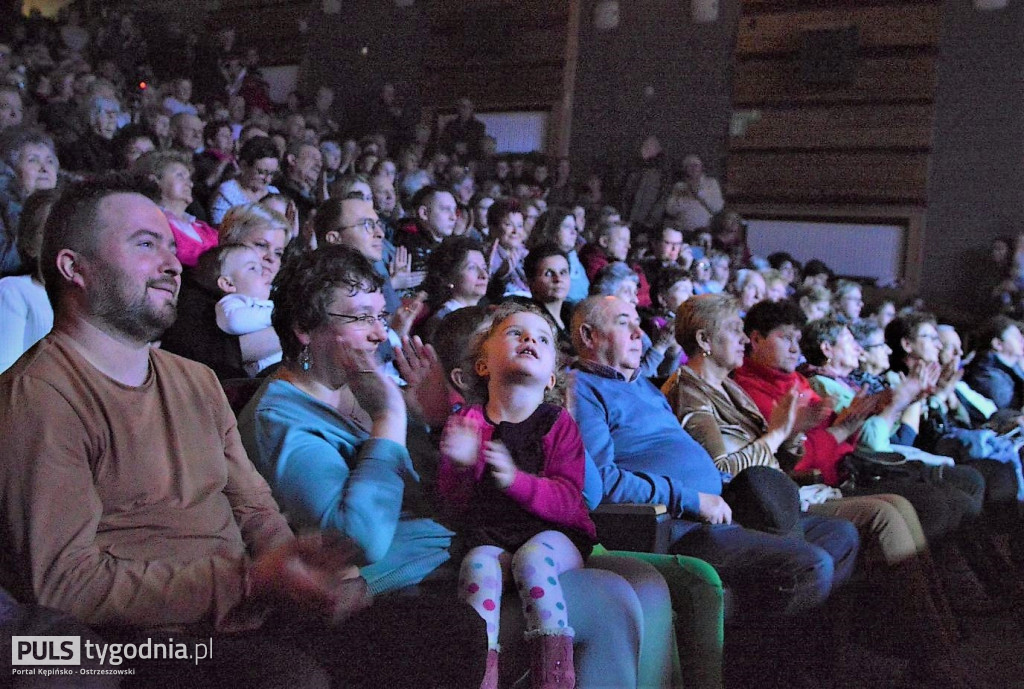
(369,225)
(365,320)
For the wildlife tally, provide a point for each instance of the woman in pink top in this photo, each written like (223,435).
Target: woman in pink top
(172,173)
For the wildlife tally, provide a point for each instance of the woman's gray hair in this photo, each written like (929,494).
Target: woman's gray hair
(610,278)
(14,139)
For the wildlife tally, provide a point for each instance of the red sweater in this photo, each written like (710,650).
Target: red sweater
(766,386)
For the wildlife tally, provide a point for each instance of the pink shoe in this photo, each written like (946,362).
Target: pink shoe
(551,665)
(491,673)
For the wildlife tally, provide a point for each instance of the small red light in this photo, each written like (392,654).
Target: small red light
(143,85)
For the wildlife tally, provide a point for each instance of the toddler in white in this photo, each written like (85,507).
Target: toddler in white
(246,306)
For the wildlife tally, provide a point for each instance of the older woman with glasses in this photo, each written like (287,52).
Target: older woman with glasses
(258,164)
(329,433)
(719,415)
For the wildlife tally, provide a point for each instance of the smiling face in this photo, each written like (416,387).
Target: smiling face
(669,246)
(258,176)
(329,342)
(925,345)
(511,234)
(521,348)
(132,277)
(779,349)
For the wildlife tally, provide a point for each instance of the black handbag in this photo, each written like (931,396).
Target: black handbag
(863,468)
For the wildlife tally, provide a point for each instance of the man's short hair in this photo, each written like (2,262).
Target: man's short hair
(766,316)
(992,329)
(327,217)
(74,224)
(590,311)
(425,196)
(606,227)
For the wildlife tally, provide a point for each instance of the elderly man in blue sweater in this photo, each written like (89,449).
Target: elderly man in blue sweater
(644,456)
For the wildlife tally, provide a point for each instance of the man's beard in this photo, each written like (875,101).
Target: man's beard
(133,315)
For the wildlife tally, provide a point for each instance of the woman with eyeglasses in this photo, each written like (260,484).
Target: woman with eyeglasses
(329,433)
(258,164)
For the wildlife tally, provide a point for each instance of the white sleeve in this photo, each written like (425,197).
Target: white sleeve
(239,315)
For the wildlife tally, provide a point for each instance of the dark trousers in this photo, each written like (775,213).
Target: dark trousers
(770,574)
(420,637)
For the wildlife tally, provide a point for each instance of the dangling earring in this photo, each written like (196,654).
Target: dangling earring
(305,361)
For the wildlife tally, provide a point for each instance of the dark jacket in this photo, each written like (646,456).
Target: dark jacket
(991,377)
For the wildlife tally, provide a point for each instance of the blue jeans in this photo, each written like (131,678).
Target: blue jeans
(770,574)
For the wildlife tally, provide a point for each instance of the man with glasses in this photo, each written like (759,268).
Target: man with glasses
(355,224)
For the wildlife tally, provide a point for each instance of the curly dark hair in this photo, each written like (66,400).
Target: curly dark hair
(257,148)
(766,316)
(501,209)
(443,265)
(302,290)
(817,333)
(665,279)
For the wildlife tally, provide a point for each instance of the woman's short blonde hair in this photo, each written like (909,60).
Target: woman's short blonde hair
(703,312)
(239,221)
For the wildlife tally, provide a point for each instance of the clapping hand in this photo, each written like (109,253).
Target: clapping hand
(461,441)
(316,573)
(500,463)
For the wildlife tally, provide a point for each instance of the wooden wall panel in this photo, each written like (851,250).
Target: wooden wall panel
(827,178)
(880,27)
(502,53)
(866,143)
(892,127)
(496,87)
(534,46)
(768,81)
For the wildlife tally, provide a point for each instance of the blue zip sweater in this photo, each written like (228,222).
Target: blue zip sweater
(641,452)
(328,474)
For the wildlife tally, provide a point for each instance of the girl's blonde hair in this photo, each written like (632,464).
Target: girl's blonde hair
(476,385)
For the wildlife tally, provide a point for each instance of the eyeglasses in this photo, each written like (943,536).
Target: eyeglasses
(365,320)
(265,173)
(368,225)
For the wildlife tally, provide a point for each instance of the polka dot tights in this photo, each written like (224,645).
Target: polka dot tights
(535,568)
